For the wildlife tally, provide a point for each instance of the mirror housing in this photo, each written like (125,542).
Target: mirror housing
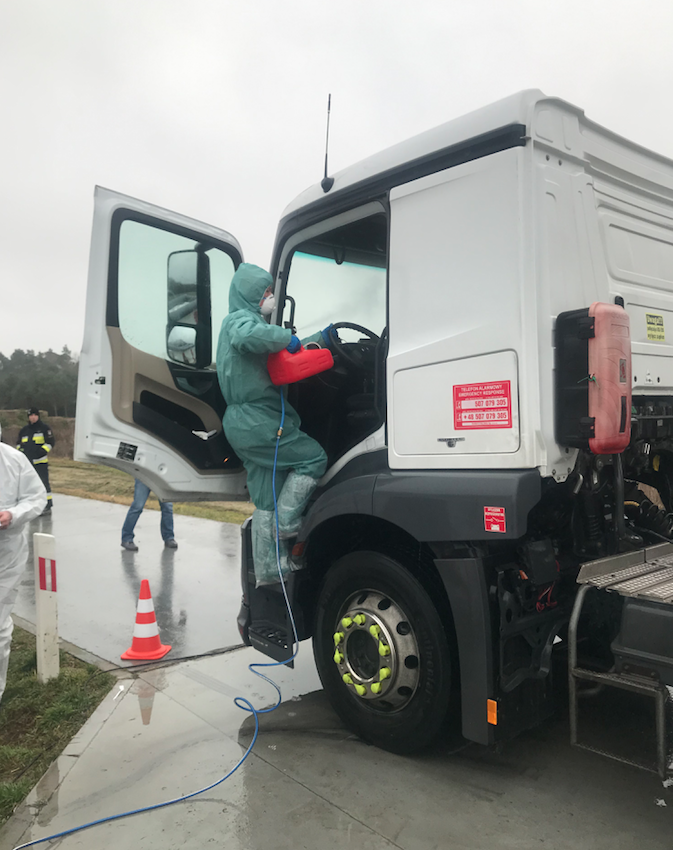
(188,329)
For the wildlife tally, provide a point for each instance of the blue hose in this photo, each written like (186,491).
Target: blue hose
(240,702)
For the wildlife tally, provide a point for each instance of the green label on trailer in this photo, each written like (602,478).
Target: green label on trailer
(655,327)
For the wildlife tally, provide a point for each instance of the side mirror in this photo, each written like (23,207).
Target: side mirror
(188,329)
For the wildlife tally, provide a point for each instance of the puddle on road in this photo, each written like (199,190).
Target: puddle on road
(145,689)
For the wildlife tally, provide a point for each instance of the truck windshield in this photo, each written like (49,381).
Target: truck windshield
(340,276)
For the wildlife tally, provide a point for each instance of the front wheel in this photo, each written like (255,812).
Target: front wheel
(382,652)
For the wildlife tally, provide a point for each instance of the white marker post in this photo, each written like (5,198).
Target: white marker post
(46,610)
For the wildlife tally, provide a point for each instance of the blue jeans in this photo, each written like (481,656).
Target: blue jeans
(140,494)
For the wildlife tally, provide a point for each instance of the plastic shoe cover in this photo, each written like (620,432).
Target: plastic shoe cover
(292,503)
(264,549)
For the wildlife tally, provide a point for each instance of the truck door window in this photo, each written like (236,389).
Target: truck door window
(340,276)
(142,284)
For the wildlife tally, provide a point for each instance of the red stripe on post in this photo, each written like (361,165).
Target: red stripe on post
(53,575)
(43,574)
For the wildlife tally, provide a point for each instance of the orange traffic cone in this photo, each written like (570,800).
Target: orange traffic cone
(146,644)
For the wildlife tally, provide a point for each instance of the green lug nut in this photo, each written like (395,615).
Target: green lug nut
(360,690)
(346,622)
(338,637)
(347,678)
(384,649)
(359,619)
(376,688)
(384,673)
(375,631)
(338,657)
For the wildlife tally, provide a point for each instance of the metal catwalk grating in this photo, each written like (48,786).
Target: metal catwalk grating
(660,593)
(636,586)
(611,578)
(631,574)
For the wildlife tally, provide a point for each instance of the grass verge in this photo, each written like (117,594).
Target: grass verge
(89,481)
(38,721)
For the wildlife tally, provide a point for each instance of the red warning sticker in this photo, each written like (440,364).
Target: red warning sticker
(482,405)
(494,520)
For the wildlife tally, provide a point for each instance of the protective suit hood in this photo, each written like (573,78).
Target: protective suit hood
(248,285)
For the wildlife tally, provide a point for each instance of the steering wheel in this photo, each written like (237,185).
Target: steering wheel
(353,352)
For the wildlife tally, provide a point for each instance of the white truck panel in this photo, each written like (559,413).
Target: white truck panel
(477,417)
(456,316)
(485,255)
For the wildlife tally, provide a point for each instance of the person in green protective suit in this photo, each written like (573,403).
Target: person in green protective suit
(252,419)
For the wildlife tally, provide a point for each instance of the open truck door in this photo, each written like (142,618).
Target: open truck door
(148,398)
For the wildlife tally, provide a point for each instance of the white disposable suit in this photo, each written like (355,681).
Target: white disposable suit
(23,495)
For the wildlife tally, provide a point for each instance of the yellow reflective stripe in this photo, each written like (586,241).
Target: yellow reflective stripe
(24,439)
(46,447)
(41,460)
(38,439)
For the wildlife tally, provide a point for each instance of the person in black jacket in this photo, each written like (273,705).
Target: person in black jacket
(36,440)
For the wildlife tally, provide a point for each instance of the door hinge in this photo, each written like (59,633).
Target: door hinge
(100,380)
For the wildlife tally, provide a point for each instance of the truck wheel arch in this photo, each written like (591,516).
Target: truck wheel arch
(345,522)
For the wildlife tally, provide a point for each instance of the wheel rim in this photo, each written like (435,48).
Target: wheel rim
(376,651)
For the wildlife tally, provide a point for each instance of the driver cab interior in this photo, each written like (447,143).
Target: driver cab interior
(339,277)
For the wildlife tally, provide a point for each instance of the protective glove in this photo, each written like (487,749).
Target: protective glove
(294,345)
(327,336)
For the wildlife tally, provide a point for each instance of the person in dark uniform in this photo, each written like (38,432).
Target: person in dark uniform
(36,440)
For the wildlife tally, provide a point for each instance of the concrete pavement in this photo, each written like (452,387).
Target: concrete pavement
(308,783)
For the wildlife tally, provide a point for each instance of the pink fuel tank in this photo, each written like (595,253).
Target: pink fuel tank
(610,378)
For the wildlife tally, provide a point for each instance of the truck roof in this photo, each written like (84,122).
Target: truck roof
(516,110)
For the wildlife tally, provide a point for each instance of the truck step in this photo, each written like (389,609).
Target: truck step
(272,641)
(643,649)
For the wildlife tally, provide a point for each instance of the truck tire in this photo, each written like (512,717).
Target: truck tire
(382,652)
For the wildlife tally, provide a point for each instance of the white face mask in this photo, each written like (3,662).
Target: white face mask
(268,305)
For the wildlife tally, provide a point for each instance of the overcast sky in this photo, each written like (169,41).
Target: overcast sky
(216,108)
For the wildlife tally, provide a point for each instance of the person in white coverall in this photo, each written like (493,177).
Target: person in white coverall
(22,498)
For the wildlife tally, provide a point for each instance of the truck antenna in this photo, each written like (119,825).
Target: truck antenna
(327,182)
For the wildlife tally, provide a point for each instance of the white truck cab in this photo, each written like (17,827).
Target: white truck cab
(456,510)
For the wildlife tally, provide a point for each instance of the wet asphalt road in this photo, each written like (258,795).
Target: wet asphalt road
(196,589)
